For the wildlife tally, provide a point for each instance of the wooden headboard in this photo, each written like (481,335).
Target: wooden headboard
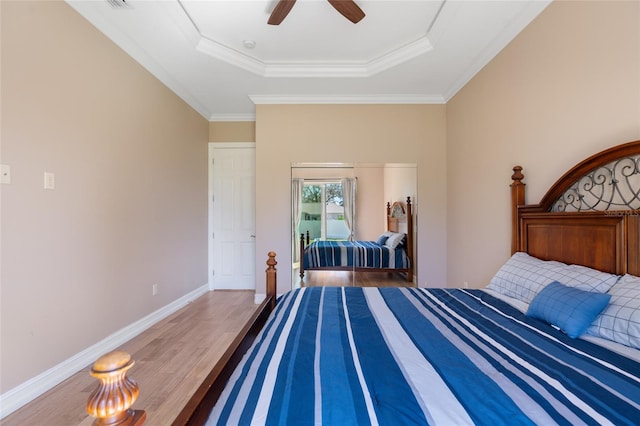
(396,213)
(590,216)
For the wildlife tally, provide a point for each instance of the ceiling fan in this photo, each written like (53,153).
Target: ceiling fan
(348,8)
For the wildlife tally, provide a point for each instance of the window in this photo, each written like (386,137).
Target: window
(322,211)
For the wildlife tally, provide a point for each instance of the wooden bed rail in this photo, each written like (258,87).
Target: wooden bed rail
(110,403)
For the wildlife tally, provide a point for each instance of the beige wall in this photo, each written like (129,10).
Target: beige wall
(351,134)
(130,204)
(370,202)
(232,131)
(567,87)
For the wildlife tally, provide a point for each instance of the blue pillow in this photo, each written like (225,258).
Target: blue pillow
(382,239)
(569,308)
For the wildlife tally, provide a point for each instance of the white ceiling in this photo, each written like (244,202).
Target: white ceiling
(403,51)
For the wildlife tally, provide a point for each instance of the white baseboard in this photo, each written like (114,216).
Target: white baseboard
(33,388)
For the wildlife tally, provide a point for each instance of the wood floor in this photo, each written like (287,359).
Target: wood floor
(171,358)
(355,279)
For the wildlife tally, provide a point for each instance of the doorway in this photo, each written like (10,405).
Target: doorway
(377,185)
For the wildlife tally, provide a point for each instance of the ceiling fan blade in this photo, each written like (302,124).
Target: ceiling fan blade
(349,9)
(280,12)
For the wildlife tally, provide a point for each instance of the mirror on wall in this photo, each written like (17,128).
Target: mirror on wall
(337,202)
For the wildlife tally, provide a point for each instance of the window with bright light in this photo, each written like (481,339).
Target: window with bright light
(322,211)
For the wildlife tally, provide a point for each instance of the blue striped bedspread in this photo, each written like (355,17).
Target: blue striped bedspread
(361,254)
(406,356)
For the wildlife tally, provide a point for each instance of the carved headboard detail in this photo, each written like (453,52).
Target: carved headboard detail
(590,216)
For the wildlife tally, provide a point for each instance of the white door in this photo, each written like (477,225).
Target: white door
(232,217)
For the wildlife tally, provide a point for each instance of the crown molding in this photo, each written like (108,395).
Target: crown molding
(398,56)
(231,56)
(232,117)
(354,99)
(309,69)
(348,69)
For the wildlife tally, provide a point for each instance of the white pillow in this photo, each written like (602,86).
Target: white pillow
(620,321)
(589,279)
(394,240)
(523,276)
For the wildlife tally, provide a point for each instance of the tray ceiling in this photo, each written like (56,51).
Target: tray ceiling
(222,58)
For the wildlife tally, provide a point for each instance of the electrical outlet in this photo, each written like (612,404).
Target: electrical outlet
(154,289)
(465,285)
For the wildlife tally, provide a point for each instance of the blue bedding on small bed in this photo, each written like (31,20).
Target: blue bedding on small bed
(361,254)
(401,356)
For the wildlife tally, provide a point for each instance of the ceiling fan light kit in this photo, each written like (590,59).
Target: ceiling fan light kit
(347,8)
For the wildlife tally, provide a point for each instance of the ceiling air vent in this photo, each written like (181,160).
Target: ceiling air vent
(119,4)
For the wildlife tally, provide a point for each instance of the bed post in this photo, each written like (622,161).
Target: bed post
(301,257)
(272,279)
(409,237)
(110,403)
(517,199)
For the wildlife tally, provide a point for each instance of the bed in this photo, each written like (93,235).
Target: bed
(347,356)
(392,252)
(507,354)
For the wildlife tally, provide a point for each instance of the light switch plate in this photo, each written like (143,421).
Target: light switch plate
(49,180)
(5,174)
